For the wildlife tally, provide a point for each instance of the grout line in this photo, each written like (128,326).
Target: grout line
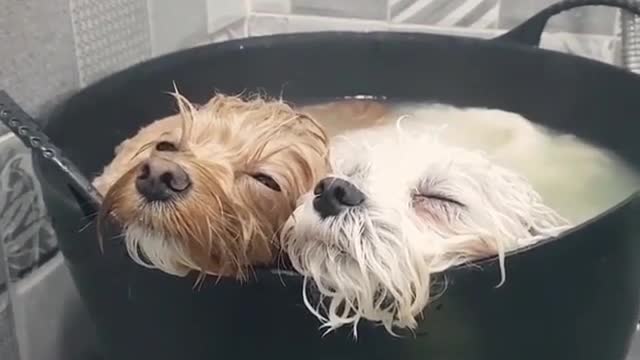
(247,16)
(152,38)
(499,15)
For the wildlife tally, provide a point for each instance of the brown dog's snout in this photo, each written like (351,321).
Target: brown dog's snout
(159,179)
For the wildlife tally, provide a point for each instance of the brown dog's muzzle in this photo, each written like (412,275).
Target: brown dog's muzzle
(159,179)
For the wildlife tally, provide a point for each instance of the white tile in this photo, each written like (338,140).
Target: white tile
(597,47)
(360,9)
(617,53)
(265,25)
(273,24)
(177,25)
(456,31)
(235,30)
(271,6)
(222,13)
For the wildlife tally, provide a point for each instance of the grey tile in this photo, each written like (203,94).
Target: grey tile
(110,35)
(271,6)
(617,53)
(629,47)
(585,20)
(37,61)
(446,13)
(222,13)
(8,343)
(363,9)
(4,276)
(273,24)
(51,320)
(177,25)
(26,231)
(265,25)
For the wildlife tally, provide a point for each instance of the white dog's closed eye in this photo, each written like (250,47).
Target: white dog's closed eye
(399,207)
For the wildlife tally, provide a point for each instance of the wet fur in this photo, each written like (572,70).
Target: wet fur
(375,261)
(227,222)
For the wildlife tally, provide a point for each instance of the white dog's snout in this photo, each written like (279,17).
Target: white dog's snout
(334,195)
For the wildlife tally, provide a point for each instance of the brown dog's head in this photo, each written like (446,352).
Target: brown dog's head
(209,188)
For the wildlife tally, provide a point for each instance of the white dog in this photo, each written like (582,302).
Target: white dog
(404,201)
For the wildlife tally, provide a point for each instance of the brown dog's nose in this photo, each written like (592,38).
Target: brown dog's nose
(159,179)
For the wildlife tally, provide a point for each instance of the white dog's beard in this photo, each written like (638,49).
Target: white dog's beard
(155,251)
(377,266)
(379,278)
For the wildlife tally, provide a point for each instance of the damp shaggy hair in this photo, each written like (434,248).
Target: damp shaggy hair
(227,221)
(429,206)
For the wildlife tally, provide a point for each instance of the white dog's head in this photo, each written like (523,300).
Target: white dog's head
(400,206)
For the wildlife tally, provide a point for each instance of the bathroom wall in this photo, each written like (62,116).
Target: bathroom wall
(52,48)
(588,31)
(49,50)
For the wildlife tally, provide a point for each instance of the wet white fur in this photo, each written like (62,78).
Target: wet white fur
(375,261)
(578,179)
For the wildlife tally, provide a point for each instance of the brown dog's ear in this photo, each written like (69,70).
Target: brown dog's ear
(119,148)
(340,116)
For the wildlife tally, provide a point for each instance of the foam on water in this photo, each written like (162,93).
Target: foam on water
(578,179)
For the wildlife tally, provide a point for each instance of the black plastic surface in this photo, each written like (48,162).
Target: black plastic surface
(572,298)
(530,31)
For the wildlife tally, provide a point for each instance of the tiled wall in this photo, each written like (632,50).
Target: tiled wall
(52,48)
(588,31)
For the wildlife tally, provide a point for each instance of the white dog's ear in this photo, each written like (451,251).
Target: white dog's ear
(539,219)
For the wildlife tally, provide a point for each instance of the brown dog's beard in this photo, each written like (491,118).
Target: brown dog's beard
(204,230)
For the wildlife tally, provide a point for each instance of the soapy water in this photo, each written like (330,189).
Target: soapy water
(578,179)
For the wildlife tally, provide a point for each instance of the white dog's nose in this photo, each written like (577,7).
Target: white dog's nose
(333,195)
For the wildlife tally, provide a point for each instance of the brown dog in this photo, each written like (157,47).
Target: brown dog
(209,188)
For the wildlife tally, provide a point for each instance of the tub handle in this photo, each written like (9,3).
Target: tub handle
(530,31)
(31,135)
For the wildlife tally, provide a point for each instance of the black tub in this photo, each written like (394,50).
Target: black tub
(573,298)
